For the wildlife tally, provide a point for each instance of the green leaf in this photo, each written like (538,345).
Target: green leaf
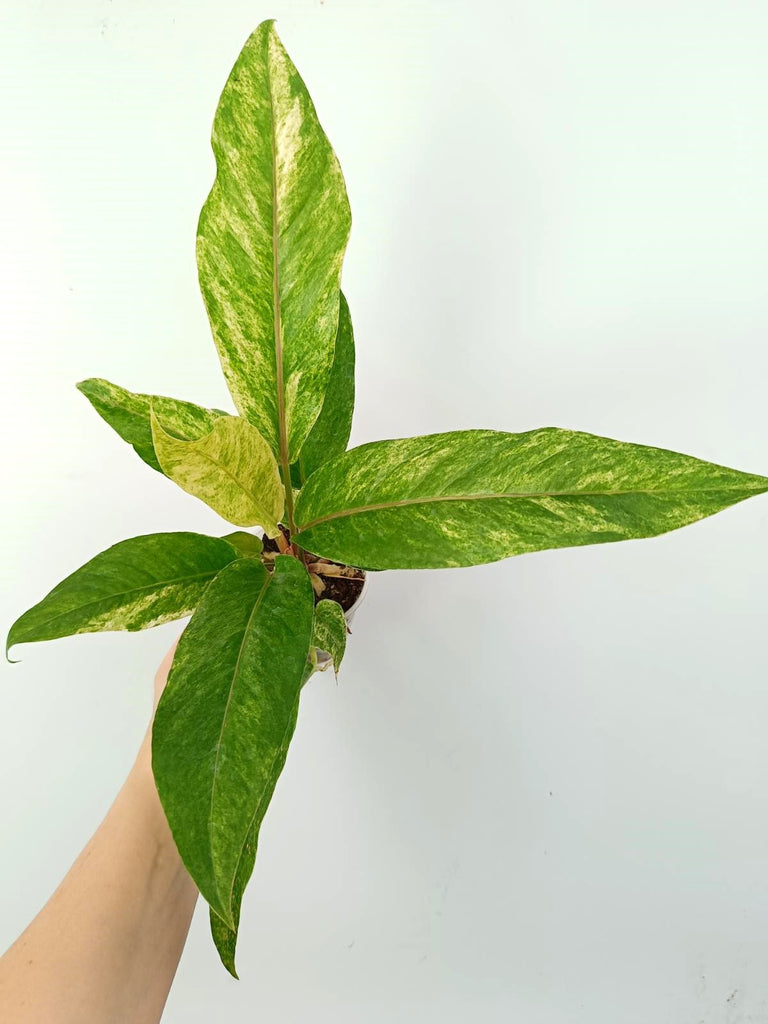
(329,633)
(330,433)
(270,245)
(129,415)
(224,937)
(475,496)
(132,585)
(225,715)
(247,544)
(232,469)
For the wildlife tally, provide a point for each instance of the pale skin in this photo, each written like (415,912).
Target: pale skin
(105,947)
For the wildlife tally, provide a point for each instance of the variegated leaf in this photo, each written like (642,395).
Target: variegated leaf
(329,632)
(270,244)
(231,468)
(224,936)
(132,585)
(475,496)
(226,716)
(128,414)
(330,433)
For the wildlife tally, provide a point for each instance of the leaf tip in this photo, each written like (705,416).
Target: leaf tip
(267,26)
(10,642)
(87,387)
(92,386)
(230,966)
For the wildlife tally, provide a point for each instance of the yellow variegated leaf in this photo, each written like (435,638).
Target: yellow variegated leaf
(330,433)
(329,633)
(270,244)
(225,718)
(232,469)
(127,412)
(225,935)
(473,496)
(135,584)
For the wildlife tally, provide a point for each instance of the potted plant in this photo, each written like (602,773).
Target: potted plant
(268,611)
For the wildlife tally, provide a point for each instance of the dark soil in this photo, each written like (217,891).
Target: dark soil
(344,590)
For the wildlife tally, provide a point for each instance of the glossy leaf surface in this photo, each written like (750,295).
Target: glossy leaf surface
(247,544)
(128,413)
(270,245)
(225,715)
(231,468)
(330,433)
(224,937)
(329,633)
(469,497)
(132,585)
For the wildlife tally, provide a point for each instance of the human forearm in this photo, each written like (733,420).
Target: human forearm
(106,946)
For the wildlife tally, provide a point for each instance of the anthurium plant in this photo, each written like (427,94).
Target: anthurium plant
(268,608)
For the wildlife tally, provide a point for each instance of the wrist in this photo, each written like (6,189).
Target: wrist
(141,791)
(140,785)
(143,762)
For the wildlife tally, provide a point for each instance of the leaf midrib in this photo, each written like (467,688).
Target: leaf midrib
(404,502)
(235,673)
(255,815)
(276,311)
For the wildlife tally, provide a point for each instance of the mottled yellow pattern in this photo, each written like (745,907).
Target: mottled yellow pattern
(127,412)
(226,715)
(231,468)
(133,585)
(467,497)
(330,433)
(270,245)
(329,632)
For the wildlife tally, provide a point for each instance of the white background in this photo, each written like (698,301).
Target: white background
(538,792)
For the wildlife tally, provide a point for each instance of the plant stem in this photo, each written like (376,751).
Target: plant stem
(286,466)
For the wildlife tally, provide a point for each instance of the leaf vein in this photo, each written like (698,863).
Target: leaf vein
(529,495)
(235,673)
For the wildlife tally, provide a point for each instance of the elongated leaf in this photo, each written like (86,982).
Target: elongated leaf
(232,469)
(475,496)
(270,244)
(329,633)
(224,937)
(128,414)
(330,433)
(225,714)
(132,585)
